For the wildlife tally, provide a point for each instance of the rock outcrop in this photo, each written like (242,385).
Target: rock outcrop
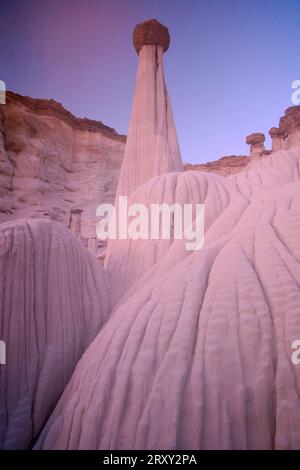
(52,162)
(289,124)
(225,166)
(54,298)
(277,136)
(256,142)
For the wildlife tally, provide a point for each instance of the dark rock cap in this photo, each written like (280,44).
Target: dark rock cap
(151,32)
(76,211)
(276,132)
(255,138)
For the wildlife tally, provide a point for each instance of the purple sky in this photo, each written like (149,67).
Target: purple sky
(229,68)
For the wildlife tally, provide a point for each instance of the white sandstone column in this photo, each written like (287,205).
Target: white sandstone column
(92,245)
(152,147)
(75,222)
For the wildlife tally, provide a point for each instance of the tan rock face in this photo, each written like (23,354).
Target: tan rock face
(151,32)
(289,124)
(52,162)
(225,166)
(52,108)
(291,119)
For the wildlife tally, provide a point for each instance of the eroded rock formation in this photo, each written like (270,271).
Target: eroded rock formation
(151,32)
(52,162)
(152,147)
(277,136)
(54,299)
(225,166)
(197,351)
(197,354)
(256,142)
(290,126)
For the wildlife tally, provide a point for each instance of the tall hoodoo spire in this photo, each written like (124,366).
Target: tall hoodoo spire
(152,147)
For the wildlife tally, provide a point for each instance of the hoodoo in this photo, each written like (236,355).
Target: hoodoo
(152,147)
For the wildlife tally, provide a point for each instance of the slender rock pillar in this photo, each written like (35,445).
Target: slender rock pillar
(75,222)
(152,147)
(92,245)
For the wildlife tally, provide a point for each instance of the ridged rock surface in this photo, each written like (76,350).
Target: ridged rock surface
(54,299)
(198,352)
(152,147)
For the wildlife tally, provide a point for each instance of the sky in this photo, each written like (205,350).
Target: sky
(229,68)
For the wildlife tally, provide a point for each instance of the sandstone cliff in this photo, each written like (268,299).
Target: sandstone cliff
(52,162)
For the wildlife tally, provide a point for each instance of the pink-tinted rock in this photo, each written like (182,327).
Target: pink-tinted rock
(225,166)
(51,162)
(278,138)
(256,142)
(197,354)
(290,126)
(197,351)
(54,299)
(6,171)
(152,146)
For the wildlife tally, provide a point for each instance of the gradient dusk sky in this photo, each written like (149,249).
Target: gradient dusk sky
(229,68)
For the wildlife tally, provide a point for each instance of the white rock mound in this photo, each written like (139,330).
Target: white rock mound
(198,353)
(54,299)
